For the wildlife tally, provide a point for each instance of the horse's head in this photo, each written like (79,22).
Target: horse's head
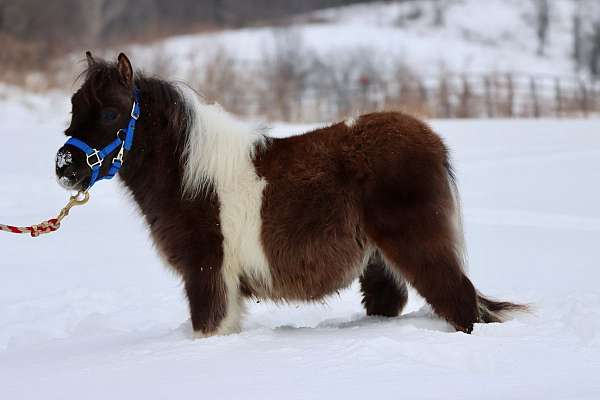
(101,112)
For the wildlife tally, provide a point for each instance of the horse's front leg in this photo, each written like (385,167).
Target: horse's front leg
(215,301)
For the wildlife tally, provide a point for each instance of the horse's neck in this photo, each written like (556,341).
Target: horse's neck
(208,150)
(154,168)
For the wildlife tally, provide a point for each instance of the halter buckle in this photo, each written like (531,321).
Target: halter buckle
(99,160)
(135,115)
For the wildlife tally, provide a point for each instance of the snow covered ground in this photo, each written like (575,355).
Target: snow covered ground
(91,313)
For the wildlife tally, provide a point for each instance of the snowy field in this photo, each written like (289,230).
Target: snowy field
(90,312)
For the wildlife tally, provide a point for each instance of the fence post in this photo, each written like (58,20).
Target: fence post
(444,97)
(510,95)
(583,98)
(489,106)
(465,99)
(534,97)
(594,98)
(558,98)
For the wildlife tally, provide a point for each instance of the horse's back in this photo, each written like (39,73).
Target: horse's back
(347,153)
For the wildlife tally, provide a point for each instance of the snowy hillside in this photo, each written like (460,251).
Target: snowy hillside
(91,313)
(476,36)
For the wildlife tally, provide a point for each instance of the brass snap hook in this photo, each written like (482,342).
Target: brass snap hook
(78,200)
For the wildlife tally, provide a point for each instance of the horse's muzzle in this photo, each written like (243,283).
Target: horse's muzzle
(71,169)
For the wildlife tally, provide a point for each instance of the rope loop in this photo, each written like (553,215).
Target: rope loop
(50,225)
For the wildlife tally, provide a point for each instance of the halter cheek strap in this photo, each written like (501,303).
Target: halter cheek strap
(95,158)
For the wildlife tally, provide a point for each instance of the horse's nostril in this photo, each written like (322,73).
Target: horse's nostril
(70,172)
(68,176)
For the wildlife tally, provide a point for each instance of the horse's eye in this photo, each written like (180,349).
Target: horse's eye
(109,115)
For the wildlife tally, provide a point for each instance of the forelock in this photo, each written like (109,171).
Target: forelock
(97,76)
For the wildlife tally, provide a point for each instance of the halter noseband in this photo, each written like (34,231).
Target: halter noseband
(95,158)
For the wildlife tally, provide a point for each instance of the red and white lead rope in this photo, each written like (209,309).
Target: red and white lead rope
(50,225)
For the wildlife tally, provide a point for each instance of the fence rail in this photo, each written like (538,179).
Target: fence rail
(472,96)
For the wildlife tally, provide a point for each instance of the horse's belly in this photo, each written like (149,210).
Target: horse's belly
(310,276)
(313,240)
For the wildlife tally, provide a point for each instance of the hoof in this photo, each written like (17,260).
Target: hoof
(218,332)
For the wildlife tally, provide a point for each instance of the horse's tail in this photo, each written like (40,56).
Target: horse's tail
(489,310)
(457,219)
(497,311)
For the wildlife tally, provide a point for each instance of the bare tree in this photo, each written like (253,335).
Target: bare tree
(224,81)
(99,15)
(594,57)
(542,21)
(578,35)
(587,37)
(439,12)
(287,66)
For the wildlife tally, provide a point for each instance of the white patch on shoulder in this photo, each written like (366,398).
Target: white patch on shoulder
(350,122)
(220,149)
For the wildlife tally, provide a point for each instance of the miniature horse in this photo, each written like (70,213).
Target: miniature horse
(239,214)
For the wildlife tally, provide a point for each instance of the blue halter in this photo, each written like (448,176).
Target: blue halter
(95,158)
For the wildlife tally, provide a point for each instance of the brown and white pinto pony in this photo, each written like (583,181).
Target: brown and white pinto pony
(239,214)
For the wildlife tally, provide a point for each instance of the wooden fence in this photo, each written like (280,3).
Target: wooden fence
(464,96)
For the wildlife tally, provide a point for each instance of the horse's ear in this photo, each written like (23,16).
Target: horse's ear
(90,59)
(125,69)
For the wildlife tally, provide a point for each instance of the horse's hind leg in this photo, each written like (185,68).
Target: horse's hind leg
(434,270)
(420,241)
(383,290)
